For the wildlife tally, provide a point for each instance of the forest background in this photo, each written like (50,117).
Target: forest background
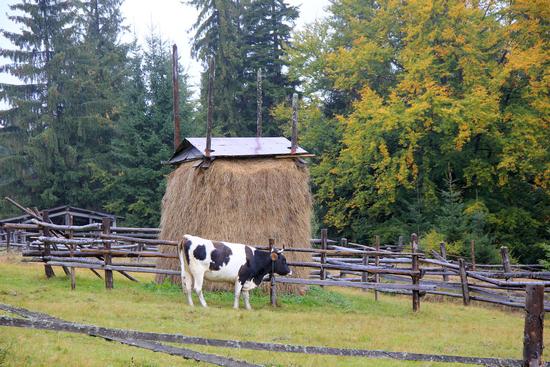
(425,116)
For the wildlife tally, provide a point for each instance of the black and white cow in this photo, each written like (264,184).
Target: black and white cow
(241,265)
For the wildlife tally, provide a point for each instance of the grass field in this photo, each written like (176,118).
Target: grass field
(337,318)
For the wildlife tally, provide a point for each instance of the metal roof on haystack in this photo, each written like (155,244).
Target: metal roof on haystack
(194,148)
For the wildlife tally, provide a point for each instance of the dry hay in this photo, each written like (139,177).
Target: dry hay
(239,200)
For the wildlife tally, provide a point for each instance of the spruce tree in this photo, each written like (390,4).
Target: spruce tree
(244,37)
(266,27)
(218,36)
(144,136)
(450,217)
(28,129)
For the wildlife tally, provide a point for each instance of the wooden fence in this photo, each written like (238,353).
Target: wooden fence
(101,248)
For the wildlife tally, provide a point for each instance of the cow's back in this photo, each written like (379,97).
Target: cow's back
(221,261)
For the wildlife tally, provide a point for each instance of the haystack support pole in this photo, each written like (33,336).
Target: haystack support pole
(259,104)
(176,96)
(211,74)
(294,141)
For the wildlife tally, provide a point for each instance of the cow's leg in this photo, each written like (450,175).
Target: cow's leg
(187,282)
(198,288)
(238,288)
(186,279)
(246,296)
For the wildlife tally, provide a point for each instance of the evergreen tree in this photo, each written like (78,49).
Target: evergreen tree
(59,129)
(29,126)
(450,218)
(218,36)
(266,27)
(91,107)
(243,37)
(144,136)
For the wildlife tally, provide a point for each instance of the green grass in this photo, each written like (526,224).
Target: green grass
(336,318)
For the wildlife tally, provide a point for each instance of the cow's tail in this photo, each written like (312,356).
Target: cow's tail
(182,257)
(181,251)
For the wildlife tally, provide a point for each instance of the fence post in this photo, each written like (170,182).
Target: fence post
(107,259)
(505,260)
(376,263)
(8,241)
(343,243)
(273,290)
(443,250)
(415,278)
(399,243)
(69,222)
(534,324)
(464,282)
(473,254)
(365,262)
(46,233)
(324,240)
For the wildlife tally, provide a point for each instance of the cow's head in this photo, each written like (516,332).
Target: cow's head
(281,267)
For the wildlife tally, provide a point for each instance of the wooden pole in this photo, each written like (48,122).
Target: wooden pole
(273,288)
(365,262)
(107,259)
(376,263)
(294,141)
(259,104)
(8,241)
(473,254)
(443,250)
(343,243)
(176,96)
(534,324)
(324,242)
(505,259)
(464,282)
(69,222)
(209,116)
(46,232)
(415,278)
(400,242)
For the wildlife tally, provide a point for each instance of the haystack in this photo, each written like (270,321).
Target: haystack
(243,200)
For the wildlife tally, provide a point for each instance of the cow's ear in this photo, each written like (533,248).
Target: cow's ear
(274,256)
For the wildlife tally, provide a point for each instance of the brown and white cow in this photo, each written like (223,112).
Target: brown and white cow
(241,265)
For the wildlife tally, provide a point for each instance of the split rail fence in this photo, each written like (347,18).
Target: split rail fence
(104,249)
